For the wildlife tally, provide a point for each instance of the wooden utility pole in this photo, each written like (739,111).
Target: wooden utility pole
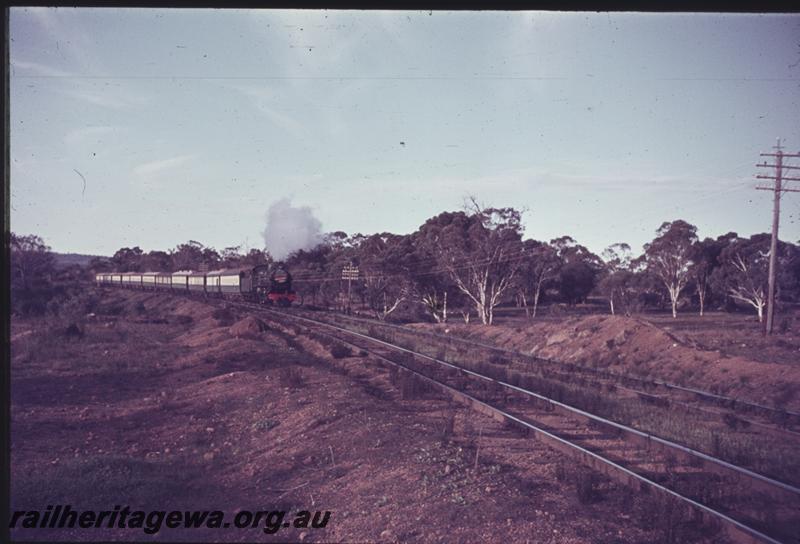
(349,273)
(777,189)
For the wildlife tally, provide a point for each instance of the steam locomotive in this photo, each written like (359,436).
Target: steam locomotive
(262,284)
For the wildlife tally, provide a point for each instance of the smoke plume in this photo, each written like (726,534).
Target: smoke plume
(290,228)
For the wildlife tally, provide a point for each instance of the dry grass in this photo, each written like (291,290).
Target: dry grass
(648,413)
(291,376)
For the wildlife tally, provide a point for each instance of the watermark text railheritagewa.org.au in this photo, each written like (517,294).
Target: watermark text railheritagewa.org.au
(153,521)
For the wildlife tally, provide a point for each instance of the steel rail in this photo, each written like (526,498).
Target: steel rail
(759,478)
(616,378)
(614,375)
(735,529)
(602,375)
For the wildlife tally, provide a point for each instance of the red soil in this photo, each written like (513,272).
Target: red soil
(636,347)
(196,412)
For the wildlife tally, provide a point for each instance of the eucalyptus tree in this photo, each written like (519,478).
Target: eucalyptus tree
(230,257)
(31,273)
(669,257)
(384,260)
(157,261)
(432,285)
(744,270)
(705,256)
(481,251)
(578,269)
(618,277)
(189,256)
(540,265)
(128,259)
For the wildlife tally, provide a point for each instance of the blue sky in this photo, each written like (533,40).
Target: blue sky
(188,124)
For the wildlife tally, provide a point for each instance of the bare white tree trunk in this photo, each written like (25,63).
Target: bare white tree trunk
(525,304)
(483,293)
(674,293)
(749,292)
(701,294)
(431,302)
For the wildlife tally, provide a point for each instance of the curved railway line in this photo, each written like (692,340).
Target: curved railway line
(763,443)
(744,505)
(772,418)
(726,410)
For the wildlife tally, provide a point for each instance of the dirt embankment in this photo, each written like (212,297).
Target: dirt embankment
(168,403)
(635,347)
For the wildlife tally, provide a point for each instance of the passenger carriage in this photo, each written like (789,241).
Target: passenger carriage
(229,282)
(180,280)
(163,281)
(196,282)
(263,283)
(149,281)
(135,280)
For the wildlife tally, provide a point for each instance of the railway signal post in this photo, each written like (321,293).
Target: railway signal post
(349,273)
(777,189)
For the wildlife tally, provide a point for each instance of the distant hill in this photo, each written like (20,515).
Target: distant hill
(64,260)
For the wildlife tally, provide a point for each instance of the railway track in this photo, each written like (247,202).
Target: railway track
(657,391)
(746,506)
(719,431)
(786,417)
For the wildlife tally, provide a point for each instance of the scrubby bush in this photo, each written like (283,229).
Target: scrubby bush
(339,351)
(291,376)
(184,319)
(587,487)
(223,316)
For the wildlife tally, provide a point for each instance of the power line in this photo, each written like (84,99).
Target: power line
(517,255)
(777,189)
(387,78)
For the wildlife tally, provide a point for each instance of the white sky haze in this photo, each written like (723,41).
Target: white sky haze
(189,124)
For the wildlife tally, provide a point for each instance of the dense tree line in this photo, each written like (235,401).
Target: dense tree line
(191,255)
(466,263)
(37,284)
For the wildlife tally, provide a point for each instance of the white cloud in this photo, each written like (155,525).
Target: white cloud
(68,37)
(262,97)
(156,167)
(38,69)
(113,98)
(81,135)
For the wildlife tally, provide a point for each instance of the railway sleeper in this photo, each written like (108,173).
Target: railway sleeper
(734,529)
